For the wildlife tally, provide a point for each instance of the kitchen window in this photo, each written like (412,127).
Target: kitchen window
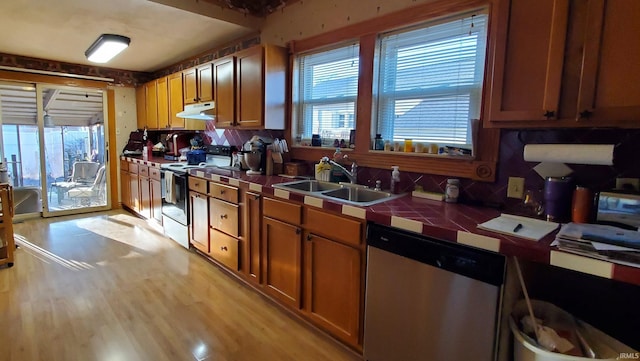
(430,81)
(325,94)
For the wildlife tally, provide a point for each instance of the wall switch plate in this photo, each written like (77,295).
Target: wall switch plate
(515,187)
(626,183)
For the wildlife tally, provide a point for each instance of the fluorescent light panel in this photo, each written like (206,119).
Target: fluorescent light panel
(106,47)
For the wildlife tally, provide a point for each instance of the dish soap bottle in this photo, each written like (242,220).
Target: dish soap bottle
(395,179)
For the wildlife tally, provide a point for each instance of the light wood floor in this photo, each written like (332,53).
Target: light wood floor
(108,287)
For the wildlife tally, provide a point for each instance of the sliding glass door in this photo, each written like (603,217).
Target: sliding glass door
(73,148)
(53,145)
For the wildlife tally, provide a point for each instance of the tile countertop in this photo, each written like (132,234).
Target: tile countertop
(446,221)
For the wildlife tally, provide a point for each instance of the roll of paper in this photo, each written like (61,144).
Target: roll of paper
(600,154)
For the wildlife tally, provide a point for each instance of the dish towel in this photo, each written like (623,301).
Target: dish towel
(169,185)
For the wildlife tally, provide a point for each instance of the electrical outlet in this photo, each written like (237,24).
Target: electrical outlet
(515,188)
(628,183)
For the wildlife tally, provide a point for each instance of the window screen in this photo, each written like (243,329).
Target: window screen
(325,94)
(430,80)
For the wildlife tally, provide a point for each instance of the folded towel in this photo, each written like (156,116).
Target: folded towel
(169,183)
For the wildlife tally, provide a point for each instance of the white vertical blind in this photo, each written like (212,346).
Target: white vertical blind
(430,80)
(326,92)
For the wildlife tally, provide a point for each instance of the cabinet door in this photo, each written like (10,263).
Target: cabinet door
(125,188)
(205,83)
(527,60)
(176,101)
(252,220)
(134,189)
(152,104)
(141,106)
(610,83)
(249,88)
(144,208)
(156,200)
(282,258)
(332,286)
(199,221)
(190,86)
(224,91)
(163,102)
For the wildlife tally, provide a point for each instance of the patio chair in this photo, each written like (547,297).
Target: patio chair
(94,193)
(82,174)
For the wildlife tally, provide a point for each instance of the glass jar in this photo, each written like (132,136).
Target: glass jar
(452,191)
(378,143)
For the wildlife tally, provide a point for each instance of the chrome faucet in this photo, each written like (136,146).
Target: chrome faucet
(353,175)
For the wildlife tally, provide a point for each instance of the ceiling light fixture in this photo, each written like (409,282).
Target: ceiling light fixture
(106,47)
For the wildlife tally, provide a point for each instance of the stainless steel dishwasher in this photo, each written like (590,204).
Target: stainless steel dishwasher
(428,299)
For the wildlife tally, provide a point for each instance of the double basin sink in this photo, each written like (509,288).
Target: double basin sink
(347,193)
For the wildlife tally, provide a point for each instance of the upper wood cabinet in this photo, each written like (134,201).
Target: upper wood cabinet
(250,88)
(151,94)
(141,107)
(176,102)
(224,84)
(198,84)
(564,63)
(162,92)
(260,91)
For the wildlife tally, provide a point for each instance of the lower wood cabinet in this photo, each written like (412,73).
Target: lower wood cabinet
(199,227)
(223,248)
(332,279)
(253,231)
(282,260)
(141,190)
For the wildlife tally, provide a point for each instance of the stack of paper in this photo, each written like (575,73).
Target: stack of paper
(524,227)
(599,241)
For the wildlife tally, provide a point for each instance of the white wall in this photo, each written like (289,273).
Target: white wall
(126,122)
(307,18)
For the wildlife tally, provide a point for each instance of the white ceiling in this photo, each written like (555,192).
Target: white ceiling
(162,32)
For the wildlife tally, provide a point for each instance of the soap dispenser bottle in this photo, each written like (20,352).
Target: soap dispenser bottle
(395,179)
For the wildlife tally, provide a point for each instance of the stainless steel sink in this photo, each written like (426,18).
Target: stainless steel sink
(308,186)
(343,192)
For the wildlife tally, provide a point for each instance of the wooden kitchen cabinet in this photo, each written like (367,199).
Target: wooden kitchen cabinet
(198,84)
(162,93)
(252,232)
(223,216)
(125,184)
(199,217)
(134,187)
(151,94)
(156,194)
(144,206)
(564,63)
(224,89)
(260,87)
(282,251)
(333,278)
(141,107)
(250,88)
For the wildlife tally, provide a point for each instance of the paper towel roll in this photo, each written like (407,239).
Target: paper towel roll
(601,154)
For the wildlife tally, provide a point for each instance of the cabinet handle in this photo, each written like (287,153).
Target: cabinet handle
(223,216)
(309,236)
(196,184)
(256,197)
(224,248)
(222,191)
(585,114)
(550,114)
(298,231)
(195,99)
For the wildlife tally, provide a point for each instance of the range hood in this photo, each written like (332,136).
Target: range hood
(200,111)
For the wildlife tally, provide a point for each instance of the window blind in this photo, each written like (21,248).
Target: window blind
(430,80)
(326,92)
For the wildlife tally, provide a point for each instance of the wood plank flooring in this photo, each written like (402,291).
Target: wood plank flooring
(106,286)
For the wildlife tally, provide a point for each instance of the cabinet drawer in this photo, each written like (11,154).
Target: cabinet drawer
(224,192)
(281,210)
(224,216)
(198,185)
(333,226)
(143,170)
(223,249)
(154,173)
(133,168)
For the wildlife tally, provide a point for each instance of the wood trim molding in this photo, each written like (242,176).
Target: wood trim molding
(50,79)
(112,151)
